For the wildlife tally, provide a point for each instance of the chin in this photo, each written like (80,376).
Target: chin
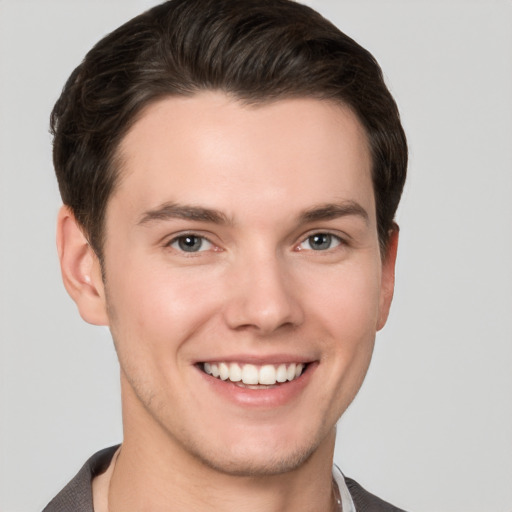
(257,465)
(261,456)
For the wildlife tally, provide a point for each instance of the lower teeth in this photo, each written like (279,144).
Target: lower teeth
(253,386)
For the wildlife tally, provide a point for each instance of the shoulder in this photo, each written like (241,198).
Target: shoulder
(367,502)
(77,495)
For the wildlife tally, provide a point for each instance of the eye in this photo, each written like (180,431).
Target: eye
(190,243)
(320,242)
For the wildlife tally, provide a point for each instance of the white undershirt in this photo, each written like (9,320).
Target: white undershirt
(100,485)
(347,504)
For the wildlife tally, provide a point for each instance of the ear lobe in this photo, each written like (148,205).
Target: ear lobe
(388,278)
(81,269)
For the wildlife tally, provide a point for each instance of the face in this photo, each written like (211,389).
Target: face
(244,283)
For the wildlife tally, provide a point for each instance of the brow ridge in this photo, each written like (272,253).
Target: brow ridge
(329,211)
(168,211)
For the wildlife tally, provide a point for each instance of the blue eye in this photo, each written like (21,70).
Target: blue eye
(320,242)
(191,243)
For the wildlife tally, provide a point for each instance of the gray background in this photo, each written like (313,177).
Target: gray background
(431,429)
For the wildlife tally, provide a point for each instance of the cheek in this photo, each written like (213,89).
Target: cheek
(348,299)
(154,308)
(347,313)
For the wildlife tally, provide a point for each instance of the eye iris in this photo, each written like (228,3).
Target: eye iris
(320,241)
(190,243)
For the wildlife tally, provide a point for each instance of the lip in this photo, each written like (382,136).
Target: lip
(276,396)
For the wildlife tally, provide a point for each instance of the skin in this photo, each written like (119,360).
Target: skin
(258,290)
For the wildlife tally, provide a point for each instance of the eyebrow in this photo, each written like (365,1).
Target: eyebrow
(331,211)
(168,211)
(328,211)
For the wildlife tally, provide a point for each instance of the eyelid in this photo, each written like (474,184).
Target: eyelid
(340,238)
(169,242)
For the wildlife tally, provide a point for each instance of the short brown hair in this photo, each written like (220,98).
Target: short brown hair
(254,50)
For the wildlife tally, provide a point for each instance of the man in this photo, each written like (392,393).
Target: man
(230,171)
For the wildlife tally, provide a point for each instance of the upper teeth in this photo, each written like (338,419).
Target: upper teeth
(251,374)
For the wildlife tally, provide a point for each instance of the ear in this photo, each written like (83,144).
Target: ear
(387,285)
(81,269)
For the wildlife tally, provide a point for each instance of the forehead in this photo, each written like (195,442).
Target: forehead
(216,151)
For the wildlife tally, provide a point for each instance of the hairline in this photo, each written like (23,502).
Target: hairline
(250,100)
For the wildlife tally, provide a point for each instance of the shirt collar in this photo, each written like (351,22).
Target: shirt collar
(347,504)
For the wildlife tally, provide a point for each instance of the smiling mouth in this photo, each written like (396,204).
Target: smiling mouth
(253,376)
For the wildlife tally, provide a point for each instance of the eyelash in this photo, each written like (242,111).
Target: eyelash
(330,236)
(181,239)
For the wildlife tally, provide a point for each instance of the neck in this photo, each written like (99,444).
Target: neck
(153,472)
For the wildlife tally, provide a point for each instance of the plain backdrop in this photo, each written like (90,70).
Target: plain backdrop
(431,430)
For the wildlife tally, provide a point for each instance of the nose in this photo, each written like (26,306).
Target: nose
(263,296)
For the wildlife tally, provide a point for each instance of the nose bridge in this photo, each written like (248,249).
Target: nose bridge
(263,293)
